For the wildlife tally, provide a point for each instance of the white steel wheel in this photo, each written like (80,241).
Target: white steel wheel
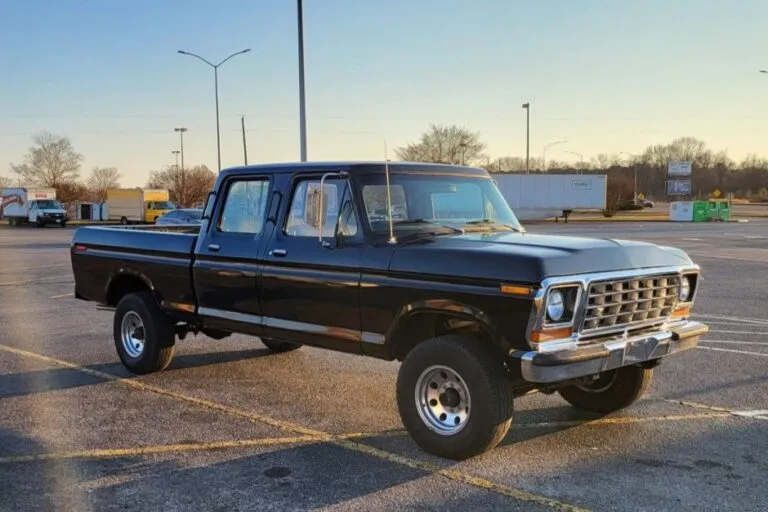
(443,400)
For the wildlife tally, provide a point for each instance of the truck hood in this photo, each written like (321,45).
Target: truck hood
(528,258)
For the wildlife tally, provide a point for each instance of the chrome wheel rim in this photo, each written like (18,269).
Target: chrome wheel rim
(132,334)
(443,400)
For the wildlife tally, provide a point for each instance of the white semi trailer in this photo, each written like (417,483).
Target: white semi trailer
(543,196)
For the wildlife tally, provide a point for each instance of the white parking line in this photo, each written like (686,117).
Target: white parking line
(735,319)
(735,342)
(759,354)
(62,296)
(757,333)
(753,260)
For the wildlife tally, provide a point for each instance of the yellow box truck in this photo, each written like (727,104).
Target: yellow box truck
(137,205)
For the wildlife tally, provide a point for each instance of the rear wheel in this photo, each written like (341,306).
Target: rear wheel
(144,335)
(124,221)
(280,346)
(454,397)
(609,391)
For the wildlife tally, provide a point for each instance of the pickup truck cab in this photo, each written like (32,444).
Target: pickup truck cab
(420,263)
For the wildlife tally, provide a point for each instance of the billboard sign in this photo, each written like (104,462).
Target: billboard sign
(679,168)
(679,187)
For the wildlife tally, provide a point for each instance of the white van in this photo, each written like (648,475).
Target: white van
(36,206)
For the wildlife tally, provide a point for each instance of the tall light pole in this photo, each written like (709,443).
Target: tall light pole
(216,89)
(580,156)
(302,98)
(527,107)
(544,153)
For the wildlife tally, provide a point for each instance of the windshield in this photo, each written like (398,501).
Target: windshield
(160,205)
(48,204)
(423,201)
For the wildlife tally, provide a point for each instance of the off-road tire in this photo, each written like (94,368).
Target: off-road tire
(490,391)
(159,334)
(280,346)
(630,384)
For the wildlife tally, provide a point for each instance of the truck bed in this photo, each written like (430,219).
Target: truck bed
(107,258)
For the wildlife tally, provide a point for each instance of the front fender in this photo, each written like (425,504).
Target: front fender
(447,307)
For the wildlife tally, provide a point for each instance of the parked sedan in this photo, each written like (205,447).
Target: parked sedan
(182,216)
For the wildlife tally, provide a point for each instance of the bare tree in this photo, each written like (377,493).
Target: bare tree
(50,162)
(187,187)
(445,144)
(71,191)
(101,179)
(5,182)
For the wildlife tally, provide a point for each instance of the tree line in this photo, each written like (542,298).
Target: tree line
(53,162)
(710,169)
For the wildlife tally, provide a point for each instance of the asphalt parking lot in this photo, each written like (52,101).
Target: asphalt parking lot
(230,426)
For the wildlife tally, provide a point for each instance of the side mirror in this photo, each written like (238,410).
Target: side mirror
(208,207)
(322,212)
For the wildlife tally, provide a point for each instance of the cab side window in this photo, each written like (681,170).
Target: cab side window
(245,206)
(308,208)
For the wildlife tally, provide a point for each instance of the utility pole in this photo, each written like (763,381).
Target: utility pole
(527,107)
(302,99)
(181,136)
(245,147)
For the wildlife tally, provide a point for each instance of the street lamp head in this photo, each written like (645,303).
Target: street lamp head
(183,52)
(764,70)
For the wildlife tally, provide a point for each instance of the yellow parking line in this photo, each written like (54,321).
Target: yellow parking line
(111,453)
(454,475)
(621,420)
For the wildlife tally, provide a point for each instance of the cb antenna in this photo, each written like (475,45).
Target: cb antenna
(392,239)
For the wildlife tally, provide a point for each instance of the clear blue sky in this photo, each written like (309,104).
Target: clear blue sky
(607,75)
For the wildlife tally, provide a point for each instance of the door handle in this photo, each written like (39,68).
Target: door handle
(278,252)
(214,247)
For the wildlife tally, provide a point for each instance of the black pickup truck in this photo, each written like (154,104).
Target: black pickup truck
(420,263)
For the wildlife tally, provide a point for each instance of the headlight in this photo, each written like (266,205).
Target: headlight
(685,289)
(561,304)
(555,306)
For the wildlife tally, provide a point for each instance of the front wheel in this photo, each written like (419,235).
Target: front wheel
(609,391)
(144,335)
(454,397)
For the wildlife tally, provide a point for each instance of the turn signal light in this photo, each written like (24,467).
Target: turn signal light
(551,334)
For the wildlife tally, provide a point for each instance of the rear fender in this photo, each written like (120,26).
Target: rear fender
(129,273)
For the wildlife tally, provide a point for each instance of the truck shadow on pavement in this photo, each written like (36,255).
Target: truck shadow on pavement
(58,379)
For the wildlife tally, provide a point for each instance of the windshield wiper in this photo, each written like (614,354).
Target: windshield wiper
(490,222)
(427,222)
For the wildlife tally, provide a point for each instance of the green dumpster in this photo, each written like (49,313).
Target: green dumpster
(700,211)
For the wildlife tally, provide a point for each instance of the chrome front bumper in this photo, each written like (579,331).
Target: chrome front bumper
(600,356)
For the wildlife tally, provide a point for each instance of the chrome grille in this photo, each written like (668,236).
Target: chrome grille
(624,303)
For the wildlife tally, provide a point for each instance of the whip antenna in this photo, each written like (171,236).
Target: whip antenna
(392,239)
